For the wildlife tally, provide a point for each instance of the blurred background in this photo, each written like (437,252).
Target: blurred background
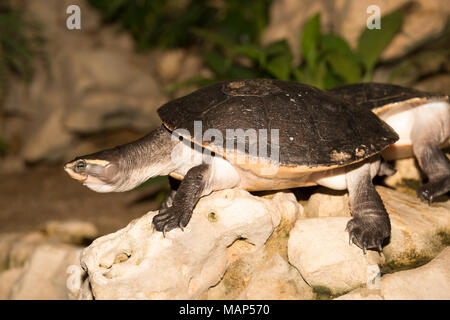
(65,92)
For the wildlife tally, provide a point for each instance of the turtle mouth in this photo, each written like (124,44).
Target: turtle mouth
(69,168)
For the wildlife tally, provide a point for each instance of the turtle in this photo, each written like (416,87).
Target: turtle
(422,120)
(218,137)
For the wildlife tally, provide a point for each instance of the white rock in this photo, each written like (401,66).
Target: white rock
(138,263)
(44,274)
(70,231)
(49,141)
(428,282)
(277,280)
(319,247)
(8,278)
(431,281)
(417,228)
(327,203)
(320,250)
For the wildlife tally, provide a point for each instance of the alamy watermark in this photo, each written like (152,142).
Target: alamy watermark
(73,22)
(374,20)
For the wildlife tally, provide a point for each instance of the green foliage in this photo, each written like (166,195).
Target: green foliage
(327,59)
(168,23)
(20,43)
(372,42)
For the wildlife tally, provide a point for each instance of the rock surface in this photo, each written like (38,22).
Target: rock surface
(44,275)
(327,203)
(428,282)
(319,248)
(139,263)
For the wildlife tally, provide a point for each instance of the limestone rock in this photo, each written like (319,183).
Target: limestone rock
(319,247)
(139,263)
(49,141)
(277,281)
(22,247)
(428,282)
(407,178)
(418,230)
(72,231)
(7,280)
(327,203)
(431,281)
(6,242)
(320,250)
(44,275)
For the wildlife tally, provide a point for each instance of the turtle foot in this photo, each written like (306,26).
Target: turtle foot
(369,232)
(170,218)
(431,190)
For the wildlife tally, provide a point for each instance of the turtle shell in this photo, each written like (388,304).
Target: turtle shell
(315,128)
(380,97)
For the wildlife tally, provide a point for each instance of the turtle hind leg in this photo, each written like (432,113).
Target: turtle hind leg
(436,165)
(429,131)
(189,192)
(370,226)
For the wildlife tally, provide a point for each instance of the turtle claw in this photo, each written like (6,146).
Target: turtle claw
(431,190)
(170,218)
(368,232)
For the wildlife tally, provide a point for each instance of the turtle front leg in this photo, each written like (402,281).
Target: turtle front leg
(199,181)
(370,225)
(184,201)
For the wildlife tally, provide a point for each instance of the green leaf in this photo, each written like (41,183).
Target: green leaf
(310,40)
(250,51)
(237,71)
(372,42)
(280,66)
(277,48)
(3,147)
(213,37)
(217,62)
(335,43)
(344,66)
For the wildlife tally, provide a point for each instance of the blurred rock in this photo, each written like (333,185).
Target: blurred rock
(407,178)
(8,279)
(22,247)
(44,275)
(72,232)
(428,282)
(6,242)
(327,203)
(348,18)
(438,83)
(16,248)
(320,251)
(138,263)
(97,82)
(50,141)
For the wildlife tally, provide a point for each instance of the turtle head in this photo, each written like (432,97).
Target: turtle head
(97,174)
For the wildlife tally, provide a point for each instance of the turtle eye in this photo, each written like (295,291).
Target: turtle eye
(80,165)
